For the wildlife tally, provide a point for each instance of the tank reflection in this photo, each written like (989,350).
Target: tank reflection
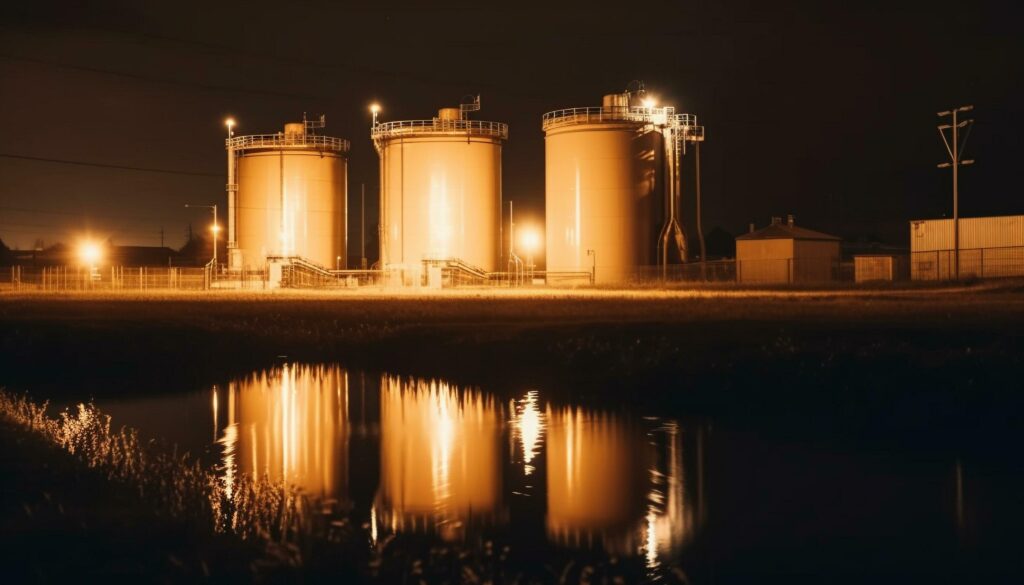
(594,474)
(289,424)
(608,487)
(440,459)
(675,501)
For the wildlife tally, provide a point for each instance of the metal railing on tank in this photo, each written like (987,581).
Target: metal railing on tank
(386,130)
(639,115)
(282,140)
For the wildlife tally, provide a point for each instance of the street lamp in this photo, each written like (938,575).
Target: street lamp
(214,228)
(374,109)
(531,242)
(230,123)
(89,254)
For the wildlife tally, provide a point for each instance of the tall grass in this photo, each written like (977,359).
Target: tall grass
(170,483)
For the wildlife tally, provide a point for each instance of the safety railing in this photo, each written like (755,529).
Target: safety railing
(107,278)
(386,130)
(993,262)
(281,140)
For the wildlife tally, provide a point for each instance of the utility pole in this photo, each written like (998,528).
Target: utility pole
(955,149)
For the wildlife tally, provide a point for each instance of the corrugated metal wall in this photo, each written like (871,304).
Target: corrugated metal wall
(975,232)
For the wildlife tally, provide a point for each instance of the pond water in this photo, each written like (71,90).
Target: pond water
(553,489)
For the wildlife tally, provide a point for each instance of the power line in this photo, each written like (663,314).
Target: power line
(96,215)
(108,166)
(150,79)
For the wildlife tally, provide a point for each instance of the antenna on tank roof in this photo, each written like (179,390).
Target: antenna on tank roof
(473,105)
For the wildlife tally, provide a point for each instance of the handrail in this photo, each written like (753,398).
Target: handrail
(281,140)
(593,115)
(386,130)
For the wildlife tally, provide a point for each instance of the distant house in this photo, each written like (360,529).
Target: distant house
(784,253)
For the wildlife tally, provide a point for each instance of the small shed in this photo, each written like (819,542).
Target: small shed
(785,253)
(876,267)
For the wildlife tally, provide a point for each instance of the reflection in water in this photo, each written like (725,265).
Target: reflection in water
(289,424)
(603,480)
(595,468)
(671,517)
(528,430)
(607,487)
(440,450)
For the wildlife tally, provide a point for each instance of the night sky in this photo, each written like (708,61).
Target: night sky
(826,112)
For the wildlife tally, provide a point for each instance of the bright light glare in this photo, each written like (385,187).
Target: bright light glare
(229,122)
(89,252)
(375,108)
(650,102)
(530,240)
(215,228)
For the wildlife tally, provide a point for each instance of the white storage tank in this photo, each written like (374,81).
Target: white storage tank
(291,193)
(440,191)
(603,187)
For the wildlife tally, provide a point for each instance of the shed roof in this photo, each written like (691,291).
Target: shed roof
(782,231)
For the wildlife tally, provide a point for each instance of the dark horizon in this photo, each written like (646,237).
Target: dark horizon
(826,113)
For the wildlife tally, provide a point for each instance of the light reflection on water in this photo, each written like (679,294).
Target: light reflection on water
(599,480)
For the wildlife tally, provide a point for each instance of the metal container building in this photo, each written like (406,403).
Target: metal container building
(612,186)
(785,253)
(989,247)
(440,192)
(287,197)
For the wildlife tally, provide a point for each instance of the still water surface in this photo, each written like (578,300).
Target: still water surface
(558,484)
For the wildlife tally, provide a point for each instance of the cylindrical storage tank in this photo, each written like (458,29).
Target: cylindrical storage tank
(292,197)
(603,188)
(440,192)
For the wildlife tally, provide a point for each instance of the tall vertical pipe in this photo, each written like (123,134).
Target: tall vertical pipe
(232,189)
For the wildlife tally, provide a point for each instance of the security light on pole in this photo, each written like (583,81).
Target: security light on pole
(214,228)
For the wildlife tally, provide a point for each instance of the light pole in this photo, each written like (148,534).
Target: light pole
(232,189)
(374,110)
(955,149)
(214,228)
(362,226)
(531,242)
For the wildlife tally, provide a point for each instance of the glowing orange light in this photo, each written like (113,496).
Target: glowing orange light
(530,240)
(89,252)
